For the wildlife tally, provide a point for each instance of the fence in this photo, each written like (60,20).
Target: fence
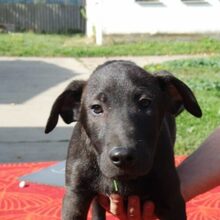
(44,17)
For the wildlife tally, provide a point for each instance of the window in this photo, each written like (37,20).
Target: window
(150,2)
(195,2)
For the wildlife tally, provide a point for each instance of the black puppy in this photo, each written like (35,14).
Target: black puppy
(123,140)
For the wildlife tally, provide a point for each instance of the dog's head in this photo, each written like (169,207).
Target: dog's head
(121,108)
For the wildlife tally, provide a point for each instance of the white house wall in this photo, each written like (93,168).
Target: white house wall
(172,16)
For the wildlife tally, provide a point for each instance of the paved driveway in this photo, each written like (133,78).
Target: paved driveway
(28,88)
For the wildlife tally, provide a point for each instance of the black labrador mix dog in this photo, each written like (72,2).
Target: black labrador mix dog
(124,137)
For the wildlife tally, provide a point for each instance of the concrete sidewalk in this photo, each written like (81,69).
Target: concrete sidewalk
(28,88)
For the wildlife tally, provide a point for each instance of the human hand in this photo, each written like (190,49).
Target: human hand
(115,205)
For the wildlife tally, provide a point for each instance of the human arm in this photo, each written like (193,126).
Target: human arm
(200,172)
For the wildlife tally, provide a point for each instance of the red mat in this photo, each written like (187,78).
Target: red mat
(40,202)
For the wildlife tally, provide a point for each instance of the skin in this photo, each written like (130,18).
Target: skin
(114,204)
(200,171)
(198,174)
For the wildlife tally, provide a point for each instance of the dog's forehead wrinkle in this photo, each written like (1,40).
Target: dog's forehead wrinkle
(101,97)
(112,86)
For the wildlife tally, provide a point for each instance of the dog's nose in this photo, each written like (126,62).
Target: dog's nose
(122,156)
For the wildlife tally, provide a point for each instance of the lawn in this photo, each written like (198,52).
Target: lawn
(30,44)
(203,77)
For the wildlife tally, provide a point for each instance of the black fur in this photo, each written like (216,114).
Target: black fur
(125,132)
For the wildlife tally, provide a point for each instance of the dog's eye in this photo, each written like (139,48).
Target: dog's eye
(97,109)
(144,103)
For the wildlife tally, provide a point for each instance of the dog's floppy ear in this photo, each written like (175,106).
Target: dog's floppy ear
(180,93)
(66,105)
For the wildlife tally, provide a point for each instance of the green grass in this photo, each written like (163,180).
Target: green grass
(30,44)
(203,77)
